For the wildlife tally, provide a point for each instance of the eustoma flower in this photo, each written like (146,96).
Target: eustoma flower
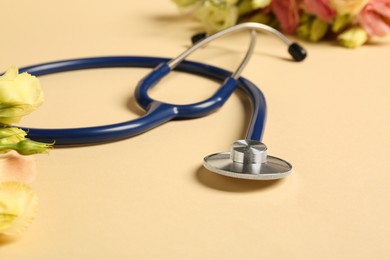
(375,17)
(20,94)
(320,8)
(18,207)
(348,7)
(16,167)
(286,11)
(217,15)
(18,202)
(351,22)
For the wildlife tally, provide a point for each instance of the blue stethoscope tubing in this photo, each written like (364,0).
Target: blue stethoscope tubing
(157,112)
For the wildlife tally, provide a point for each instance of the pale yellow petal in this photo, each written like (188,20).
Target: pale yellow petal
(20,94)
(10,74)
(18,207)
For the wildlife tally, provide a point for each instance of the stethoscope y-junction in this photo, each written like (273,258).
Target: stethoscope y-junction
(247,159)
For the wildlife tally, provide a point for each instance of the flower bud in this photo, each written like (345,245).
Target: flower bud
(341,22)
(245,7)
(318,30)
(261,18)
(303,30)
(29,147)
(353,38)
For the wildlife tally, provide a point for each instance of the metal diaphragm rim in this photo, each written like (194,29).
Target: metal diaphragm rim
(273,168)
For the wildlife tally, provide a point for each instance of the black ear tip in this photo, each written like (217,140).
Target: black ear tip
(197,37)
(297,51)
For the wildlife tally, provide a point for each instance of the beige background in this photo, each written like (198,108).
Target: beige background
(149,197)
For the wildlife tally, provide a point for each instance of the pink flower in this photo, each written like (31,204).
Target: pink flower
(375,17)
(16,167)
(286,11)
(320,8)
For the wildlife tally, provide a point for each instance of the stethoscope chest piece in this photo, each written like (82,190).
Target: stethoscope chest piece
(248,159)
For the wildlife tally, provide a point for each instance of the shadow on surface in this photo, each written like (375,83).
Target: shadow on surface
(178,20)
(6,240)
(132,105)
(229,184)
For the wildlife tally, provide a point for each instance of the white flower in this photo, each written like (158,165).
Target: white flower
(20,94)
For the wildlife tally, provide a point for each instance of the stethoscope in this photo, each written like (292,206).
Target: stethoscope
(247,159)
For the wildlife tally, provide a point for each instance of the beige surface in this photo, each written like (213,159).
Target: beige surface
(149,197)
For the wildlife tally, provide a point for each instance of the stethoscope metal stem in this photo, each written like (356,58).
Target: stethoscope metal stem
(248,55)
(240,27)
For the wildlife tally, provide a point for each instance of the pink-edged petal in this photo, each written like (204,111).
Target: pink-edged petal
(286,11)
(381,7)
(373,23)
(320,8)
(16,167)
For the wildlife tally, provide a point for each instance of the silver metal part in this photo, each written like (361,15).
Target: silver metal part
(235,75)
(239,27)
(248,55)
(248,159)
